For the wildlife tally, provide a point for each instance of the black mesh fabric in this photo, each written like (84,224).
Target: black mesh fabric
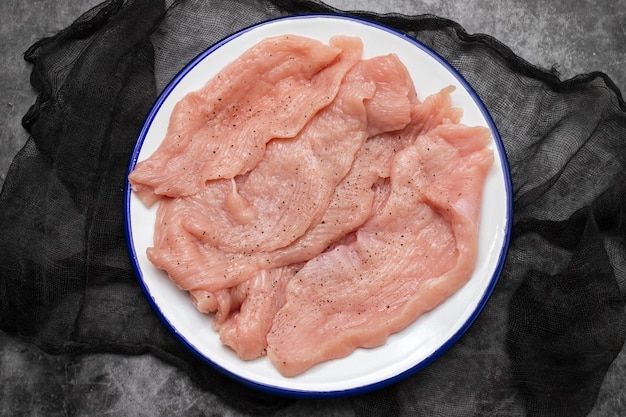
(541,347)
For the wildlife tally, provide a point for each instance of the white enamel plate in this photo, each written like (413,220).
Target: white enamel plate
(405,352)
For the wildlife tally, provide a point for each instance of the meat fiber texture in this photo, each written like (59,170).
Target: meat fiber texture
(311,203)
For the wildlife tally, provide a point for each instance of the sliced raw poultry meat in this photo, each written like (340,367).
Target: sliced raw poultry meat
(244,314)
(245,330)
(190,264)
(279,212)
(404,261)
(291,187)
(349,208)
(355,199)
(436,110)
(362,191)
(221,130)
(320,208)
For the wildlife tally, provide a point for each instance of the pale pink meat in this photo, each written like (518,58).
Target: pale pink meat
(245,330)
(190,264)
(220,131)
(291,188)
(318,209)
(406,260)
(436,110)
(211,241)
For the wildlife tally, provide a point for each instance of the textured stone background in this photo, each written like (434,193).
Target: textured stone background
(575,36)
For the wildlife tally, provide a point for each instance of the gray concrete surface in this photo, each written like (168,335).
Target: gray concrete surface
(575,37)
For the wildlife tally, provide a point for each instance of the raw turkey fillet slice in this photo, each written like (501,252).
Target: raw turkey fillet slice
(291,187)
(404,261)
(208,242)
(245,329)
(220,131)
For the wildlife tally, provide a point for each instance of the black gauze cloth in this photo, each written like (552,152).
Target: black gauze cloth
(541,347)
